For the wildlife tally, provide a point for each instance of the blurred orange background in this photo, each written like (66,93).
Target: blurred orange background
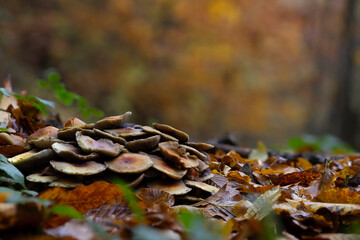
(262,70)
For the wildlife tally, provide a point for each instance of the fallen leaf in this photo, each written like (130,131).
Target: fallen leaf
(303,178)
(84,198)
(260,153)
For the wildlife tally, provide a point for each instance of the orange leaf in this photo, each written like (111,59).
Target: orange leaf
(303,178)
(84,198)
(339,195)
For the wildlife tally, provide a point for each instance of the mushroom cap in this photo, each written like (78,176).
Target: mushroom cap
(113,121)
(201,146)
(144,144)
(102,146)
(196,152)
(127,132)
(103,134)
(162,166)
(201,185)
(12,139)
(136,181)
(45,142)
(206,175)
(68,133)
(177,155)
(130,163)
(69,152)
(180,135)
(202,166)
(67,183)
(164,136)
(32,159)
(83,169)
(45,132)
(74,122)
(174,187)
(39,178)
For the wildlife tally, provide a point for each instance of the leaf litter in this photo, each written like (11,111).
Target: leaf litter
(218,195)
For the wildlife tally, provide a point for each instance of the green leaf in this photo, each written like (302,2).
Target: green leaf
(43,83)
(30,193)
(5,92)
(53,77)
(65,97)
(82,102)
(17,197)
(260,153)
(130,197)
(199,228)
(67,211)
(11,171)
(263,204)
(45,102)
(5,130)
(142,232)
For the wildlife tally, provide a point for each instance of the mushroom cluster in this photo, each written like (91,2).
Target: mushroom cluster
(158,157)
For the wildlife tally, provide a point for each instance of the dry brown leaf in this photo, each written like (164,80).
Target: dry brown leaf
(339,195)
(149,197)
(303,178)
(84,198)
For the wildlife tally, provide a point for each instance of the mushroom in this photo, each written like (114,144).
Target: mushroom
(200,145)
(68,133)
(205,175)
(70,152)
(67,183)
(45,142)
(82,169)
(180,135)
(162,166)
(112,122)
(164,136)
(40,178)
(12,139)
(196,152)
(177,155)
(127,132)
(144,144)
(74,122)
(201,185)
(32,159)
(130,163)
(45,132)
(175,187)
(113,138)
(102,146)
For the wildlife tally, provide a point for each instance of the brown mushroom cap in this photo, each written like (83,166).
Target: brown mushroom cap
(202,166)
(113,138)
(206,175)
(162,166)
(201,146)
(182,136)
(32,159)
(164,136)
(174,187)
(130,163)
(12,139)
(201,185)
(113,121)
(102,146)
(45,132)
(69,152)
(83,169)
(68,133)
(144,144)
(45,142)
(177,155)
(39,178)
(67,183)
(136,181)
(127,132)
(196,152)
(74,122)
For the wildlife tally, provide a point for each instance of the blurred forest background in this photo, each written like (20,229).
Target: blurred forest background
(262,70)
